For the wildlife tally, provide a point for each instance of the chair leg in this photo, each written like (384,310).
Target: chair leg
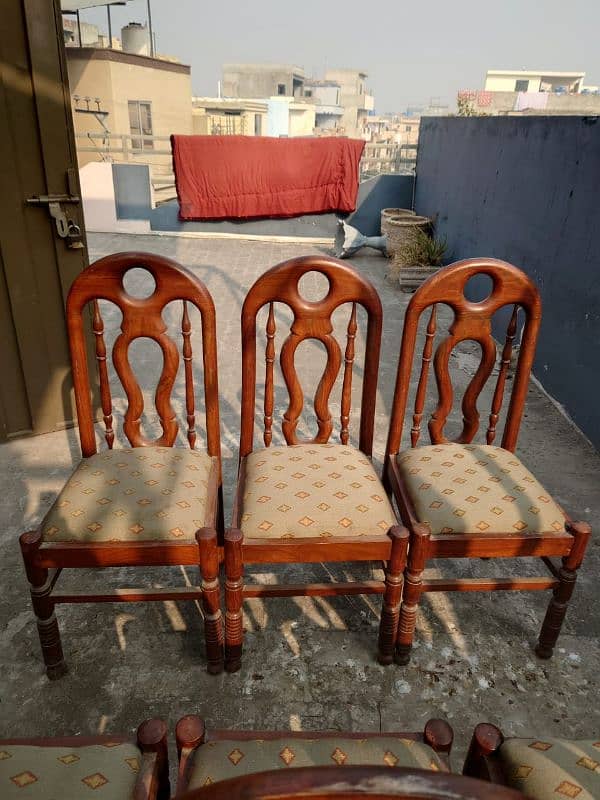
(413,582)
(152,738)
(390,611)
(486,740)
(559,602)
(234,584)
(211,599)
(40,588)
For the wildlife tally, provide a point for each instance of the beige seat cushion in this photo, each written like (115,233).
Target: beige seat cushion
(220,760)
(553,768)
(313,490)
(476,489)
(138,494)
(108,772)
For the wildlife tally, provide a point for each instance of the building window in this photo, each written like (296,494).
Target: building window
(408,129)
(281,88)
(257,125)
(521,86)
(140,124)
(308,93)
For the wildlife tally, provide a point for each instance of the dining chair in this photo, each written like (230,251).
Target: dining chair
(149,504)
(353,783)
(465,500)
(310,500)
(208,756)
(543,768)
(105,766)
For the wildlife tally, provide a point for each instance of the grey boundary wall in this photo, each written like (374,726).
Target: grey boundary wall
(527,190)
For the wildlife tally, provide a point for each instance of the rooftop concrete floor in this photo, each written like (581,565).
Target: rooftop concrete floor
(308,663)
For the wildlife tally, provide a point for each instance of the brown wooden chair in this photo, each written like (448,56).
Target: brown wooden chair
(543,769)
(311,500)
(109,767)
(462,500)
(152,504)
(353,783)
(209,756)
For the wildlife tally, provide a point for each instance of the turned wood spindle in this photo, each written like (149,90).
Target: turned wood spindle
(500,383)
(105,396)
(269,363)
(186,330)
(347,385)
(415,431)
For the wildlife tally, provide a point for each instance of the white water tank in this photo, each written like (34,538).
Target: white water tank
(135,39)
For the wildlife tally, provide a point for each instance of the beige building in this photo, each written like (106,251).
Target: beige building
(218,116)
(262,80)
(355,99)
(122,99)
(501,80)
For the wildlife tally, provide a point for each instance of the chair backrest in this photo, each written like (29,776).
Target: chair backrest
(142,317)
(353,783)
(312,320)
(471,321)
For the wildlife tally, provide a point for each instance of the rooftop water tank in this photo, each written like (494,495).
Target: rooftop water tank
(135,39)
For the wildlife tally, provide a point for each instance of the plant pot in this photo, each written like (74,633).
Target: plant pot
(401,234)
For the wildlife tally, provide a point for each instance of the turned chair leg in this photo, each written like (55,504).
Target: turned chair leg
(211,599)
(413,582)
(390,611)
(233,600)
(559,602)
(152,738)
(40,587)
(485,741)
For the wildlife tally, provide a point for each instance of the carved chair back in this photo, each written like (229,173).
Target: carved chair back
(471,321)
(311,320)
(142,317)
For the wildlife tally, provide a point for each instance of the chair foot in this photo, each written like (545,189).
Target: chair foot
(234,586)
(211,599)
(215,668)
(390,610)
(56,671)
(403,654)
(385,659)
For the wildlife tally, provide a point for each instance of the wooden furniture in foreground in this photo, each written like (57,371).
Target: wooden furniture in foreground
(109,767)
(461,500)
(209,756)
(152,504)
(352,783)
(310,501)
(543,769)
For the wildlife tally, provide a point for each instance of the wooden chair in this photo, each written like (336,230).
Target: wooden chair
(109,767)
(310,501)
(461,500)
(353,783)
(209,756)
(152,504)
(543,769)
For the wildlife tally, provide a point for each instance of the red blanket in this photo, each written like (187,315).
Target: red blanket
(241,177)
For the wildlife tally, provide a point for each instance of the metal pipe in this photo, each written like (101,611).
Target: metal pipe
(150,29)
(109,27)
(79,29)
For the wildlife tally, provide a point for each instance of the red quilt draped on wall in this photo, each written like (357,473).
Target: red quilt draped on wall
(241,177)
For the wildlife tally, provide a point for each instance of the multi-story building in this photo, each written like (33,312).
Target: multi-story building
(356,100)
(326,95)
(262,80)
(218,116)
(502,80)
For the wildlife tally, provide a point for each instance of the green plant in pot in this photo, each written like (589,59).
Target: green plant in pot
(420,252)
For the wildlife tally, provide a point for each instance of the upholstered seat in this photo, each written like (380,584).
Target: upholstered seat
(135,494)
(319,490)
(219,760)
(552,768)
(476,489)
(107,771)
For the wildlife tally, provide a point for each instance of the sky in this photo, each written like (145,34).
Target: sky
(412,52)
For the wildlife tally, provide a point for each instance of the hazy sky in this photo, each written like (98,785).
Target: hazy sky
(411,51)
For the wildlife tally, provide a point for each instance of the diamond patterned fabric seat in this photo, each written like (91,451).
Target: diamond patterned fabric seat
(313,490)
(553,768)
(220,760)
(135,494)
(107,771)
(476,489)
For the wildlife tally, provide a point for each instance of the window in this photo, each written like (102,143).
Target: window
(257,125)
(308,93)
(408,129)
(281,88)
(140,123)
(521,86)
